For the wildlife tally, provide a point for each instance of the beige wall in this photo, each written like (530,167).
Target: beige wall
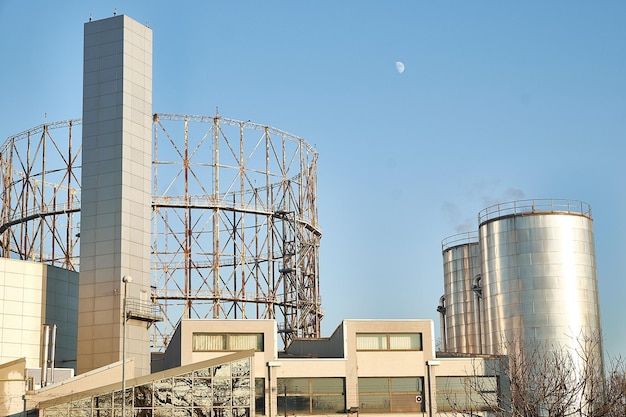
(22,289)
(32,294)
(267,327)
(12,386)
(351,366)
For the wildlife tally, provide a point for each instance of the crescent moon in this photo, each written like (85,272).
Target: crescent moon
(400,67)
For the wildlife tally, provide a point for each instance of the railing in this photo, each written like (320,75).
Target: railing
(534,206)
(459,239)
(142,310)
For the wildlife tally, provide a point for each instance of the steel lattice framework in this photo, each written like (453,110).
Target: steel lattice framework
(235,230)
(40,173)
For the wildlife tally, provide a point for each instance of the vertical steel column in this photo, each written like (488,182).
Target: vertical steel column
(216,220)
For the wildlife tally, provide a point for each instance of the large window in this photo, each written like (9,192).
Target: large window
(220,390)
(389,341)
(311,396)
(467,393)
(211,342)
(391,394)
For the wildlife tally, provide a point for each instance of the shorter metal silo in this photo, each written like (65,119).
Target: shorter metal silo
(460,307)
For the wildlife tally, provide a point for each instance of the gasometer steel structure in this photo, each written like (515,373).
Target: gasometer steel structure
(235,231)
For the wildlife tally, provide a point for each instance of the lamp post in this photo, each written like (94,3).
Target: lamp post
(126,279)
(430,364)
(270,365)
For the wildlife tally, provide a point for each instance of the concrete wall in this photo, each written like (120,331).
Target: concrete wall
(31,295)
(351,364)
(12,387)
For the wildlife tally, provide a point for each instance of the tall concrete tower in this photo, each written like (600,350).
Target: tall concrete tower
(116,193)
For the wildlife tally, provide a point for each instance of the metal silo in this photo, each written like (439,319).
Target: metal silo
(538,274)
(460,306)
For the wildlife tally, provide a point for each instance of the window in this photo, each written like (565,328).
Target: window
(211,342)
(219,390)
(389,341)
(467,393)
(311,396)
(259,396)
(391,394)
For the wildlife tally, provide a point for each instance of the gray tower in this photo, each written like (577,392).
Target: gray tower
(116,192)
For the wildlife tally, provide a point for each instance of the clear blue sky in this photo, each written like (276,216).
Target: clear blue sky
(498,101)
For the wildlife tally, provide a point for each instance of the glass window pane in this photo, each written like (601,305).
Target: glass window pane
(162,392)
(293,386)
(241,367)
(221,392)
(182,395)
(259,396)
(82,403)
(181,412)
(374,385)
(406,385)
(241,412)
(374,402)
(202,372)
(143,395)
(404,403)
(465,393)
(293,404)
(103,401)
(202,392)
(323,404)
(327,385)
(245,342)
(370,341)
(162,412)
(451,384)
(206,342)
(405,341)
(222,371)
(487,384)
(241,392)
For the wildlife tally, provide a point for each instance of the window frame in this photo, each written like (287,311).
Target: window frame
(227,344)
(394,398)
(388,345)
(471,394)
(310,396)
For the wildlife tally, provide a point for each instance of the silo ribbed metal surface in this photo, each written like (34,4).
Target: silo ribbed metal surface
(461,267)
(538,273)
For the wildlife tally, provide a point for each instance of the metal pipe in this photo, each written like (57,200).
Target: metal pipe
(45,337)
(52,351)
(126,279)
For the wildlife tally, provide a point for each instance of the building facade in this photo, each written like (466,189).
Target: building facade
(376,367)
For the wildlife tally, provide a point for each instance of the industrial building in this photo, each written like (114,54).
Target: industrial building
(525,283)
(167,265)
(529,274)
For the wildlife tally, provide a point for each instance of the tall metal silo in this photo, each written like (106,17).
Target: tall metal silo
(539,275)
(461,307)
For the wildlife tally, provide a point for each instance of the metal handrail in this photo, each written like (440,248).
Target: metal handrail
(534,206)
(459,239)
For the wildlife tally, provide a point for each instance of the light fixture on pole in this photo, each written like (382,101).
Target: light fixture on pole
(429,364)
(270,365)
(126,279)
